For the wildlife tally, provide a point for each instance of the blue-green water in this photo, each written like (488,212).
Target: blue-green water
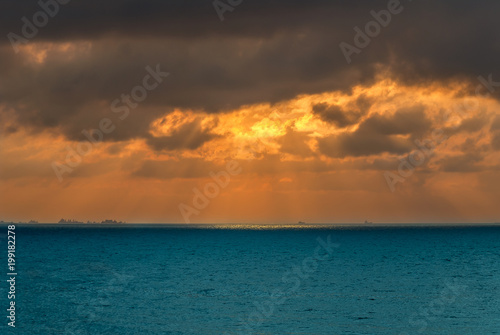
(164,280)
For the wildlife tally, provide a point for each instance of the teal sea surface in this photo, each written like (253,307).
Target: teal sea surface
(261,280)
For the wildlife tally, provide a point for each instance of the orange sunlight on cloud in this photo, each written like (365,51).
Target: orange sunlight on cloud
(308,158)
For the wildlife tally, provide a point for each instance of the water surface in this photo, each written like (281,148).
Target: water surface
(190,280)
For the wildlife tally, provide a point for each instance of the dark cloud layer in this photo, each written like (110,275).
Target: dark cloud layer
(336,115)
(378,134)
(188,136)
(342,118)
(495,130)
(262,52)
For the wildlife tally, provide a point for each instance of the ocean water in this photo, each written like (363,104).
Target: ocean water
(309,280)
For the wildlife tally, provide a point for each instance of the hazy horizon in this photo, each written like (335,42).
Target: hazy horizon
(258,112)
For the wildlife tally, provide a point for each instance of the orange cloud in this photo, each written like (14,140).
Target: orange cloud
(288,171)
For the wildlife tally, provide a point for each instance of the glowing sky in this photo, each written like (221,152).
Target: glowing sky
(315,138)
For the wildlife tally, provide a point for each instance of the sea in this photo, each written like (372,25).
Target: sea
(253,279)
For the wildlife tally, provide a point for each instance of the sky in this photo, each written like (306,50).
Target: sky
(250,111)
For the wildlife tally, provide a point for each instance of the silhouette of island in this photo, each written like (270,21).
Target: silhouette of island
(64,221)
(112,221)
(69,221)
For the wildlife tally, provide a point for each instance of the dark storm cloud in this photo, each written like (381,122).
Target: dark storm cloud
(335,114)
(378,134)
(263,52)
(361,144)
(404,121)
(188,136)
(93,18)
(340,117)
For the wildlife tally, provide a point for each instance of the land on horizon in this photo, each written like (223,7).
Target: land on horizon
(236,224)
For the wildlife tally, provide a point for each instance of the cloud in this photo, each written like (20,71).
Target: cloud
(462,163)
(336,115)
(495,125)
(379,134)
(169,169)
(94,52)
(188,136)
(495,133)
(266,55)
(495,141)
(409,120)
(469,125)
(341,117)
(295,143)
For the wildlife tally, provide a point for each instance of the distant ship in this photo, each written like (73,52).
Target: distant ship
(301,222)
(368,222)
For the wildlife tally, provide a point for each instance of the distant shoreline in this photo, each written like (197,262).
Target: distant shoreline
(255,226)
